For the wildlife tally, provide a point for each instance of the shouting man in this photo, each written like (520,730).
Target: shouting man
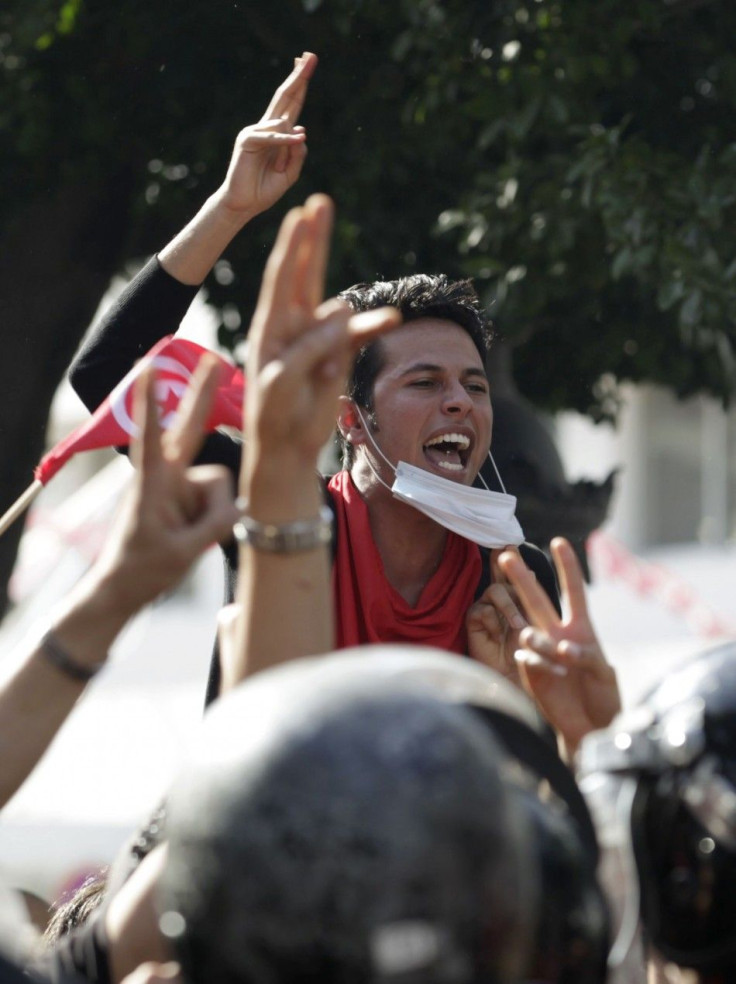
(415,544)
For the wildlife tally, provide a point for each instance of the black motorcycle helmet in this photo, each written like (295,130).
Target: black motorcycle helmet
(344,821)
(573,931)
(572,938)
(678,748)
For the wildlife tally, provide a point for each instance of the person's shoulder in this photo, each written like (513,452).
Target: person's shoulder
(538,562)
(533,556)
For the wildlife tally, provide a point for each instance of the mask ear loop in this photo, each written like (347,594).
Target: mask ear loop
(498,475)
(372,439)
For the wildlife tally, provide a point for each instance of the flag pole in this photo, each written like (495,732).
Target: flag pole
(20,505)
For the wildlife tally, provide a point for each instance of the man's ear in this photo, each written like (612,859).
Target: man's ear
(349,423)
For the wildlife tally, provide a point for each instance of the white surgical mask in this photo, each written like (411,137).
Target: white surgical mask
(487,518)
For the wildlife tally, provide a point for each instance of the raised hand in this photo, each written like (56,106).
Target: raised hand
(493,625)
(266,161)
(170,515)
(561,662)
(299,352)
(268,156)
(173,512)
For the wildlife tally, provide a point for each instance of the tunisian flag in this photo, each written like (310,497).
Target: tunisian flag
(111,425)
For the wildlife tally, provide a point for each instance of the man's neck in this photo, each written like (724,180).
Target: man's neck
(411,545)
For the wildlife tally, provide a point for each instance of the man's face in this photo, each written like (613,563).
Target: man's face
(431,400)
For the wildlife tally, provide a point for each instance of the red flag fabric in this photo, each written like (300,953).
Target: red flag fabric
(111,425)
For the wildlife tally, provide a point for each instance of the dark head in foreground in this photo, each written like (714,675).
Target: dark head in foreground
(347,833)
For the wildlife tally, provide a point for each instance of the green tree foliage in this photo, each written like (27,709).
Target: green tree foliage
(601,208)
(576,157)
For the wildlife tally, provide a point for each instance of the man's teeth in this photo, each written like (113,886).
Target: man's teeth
(461,440)
(452,445)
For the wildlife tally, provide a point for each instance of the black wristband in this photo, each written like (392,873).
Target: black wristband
(60,658)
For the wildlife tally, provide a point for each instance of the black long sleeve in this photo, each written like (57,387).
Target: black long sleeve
(150,307)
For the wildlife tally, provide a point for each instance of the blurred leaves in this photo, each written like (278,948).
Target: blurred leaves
(578,159)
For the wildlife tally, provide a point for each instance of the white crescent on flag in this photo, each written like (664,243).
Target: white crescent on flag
(111,424)
(172,379)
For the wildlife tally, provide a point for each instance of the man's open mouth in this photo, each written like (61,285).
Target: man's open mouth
(448,451)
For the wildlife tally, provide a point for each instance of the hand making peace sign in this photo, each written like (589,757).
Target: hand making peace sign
(173,511)
(561,661)
(299,352)
(268,156)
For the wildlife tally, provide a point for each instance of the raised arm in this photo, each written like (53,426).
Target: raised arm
(171,514)
(560,659)
(267,159)
(298,358)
